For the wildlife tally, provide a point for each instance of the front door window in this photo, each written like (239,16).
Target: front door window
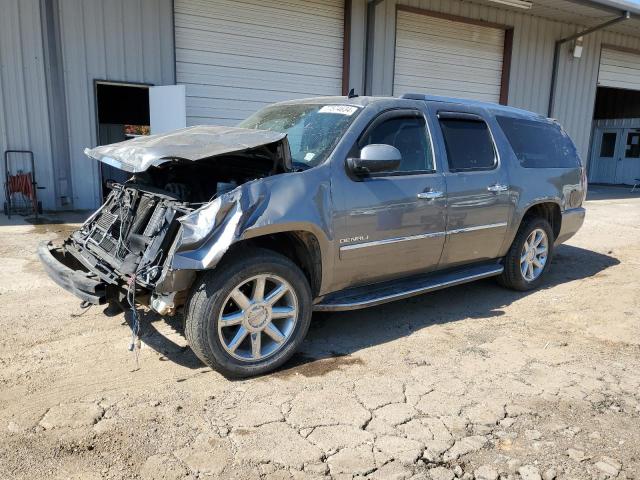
(409,136)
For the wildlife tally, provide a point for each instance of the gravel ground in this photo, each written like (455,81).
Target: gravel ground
(471,382)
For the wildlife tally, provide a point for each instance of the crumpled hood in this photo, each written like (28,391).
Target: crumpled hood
(192,143)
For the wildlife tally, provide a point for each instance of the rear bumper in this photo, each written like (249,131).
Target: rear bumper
(572,220)
(84,285)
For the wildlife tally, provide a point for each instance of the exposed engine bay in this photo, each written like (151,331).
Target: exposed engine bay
(129,235)
(131,239)
(135,229)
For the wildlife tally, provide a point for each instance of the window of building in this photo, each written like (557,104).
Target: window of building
(409,135)
(608,144)
(633,145)
(469,144)
(539,144)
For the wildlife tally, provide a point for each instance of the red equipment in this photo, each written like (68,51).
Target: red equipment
(20,187)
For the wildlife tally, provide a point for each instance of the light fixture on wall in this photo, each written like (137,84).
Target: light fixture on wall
(525,4)
(577,47)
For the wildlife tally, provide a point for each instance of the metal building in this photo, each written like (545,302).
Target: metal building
(77,73)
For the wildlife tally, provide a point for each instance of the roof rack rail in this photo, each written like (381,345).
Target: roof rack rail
(463,101)
(439,98)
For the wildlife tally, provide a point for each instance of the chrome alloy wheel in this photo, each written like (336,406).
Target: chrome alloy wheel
(259,316)
(534,255)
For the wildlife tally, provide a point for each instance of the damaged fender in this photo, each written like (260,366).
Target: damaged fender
(287,202)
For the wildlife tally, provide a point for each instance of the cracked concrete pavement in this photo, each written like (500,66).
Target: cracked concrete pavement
(470,382)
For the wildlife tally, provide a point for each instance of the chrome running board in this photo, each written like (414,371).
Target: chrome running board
(377,294)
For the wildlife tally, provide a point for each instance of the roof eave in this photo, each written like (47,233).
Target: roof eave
(613,6)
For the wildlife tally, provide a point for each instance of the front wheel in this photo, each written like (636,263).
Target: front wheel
(250,314)
(529,257)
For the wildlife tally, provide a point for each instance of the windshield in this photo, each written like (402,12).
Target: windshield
(313,130)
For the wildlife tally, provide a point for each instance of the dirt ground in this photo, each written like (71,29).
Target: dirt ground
(472,382)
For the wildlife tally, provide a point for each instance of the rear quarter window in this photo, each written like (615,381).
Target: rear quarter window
(539,144)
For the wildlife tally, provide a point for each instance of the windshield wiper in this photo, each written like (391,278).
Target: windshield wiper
(300,166)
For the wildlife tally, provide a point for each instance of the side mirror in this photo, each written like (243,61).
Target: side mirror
(375,158)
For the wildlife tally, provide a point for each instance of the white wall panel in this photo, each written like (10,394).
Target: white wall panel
(24,123)
(237,56)
(443,57)
(119,40)
(619,69)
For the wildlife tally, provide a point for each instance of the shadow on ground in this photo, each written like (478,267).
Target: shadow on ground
(611,192)
(346,333)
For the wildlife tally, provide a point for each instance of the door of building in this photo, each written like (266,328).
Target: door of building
(615,156)
(628,157)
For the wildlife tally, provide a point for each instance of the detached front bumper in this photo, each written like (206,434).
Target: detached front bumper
(70,275)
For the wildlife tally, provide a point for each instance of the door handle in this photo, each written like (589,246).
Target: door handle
(498,188)
(430,195)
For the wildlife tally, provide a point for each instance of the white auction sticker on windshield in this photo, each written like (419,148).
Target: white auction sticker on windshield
(339,109)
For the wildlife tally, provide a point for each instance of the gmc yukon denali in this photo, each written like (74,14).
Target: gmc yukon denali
(322,204)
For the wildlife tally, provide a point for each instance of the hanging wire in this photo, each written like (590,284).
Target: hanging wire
(135,344)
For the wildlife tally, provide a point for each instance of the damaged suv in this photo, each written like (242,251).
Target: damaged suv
(322,204)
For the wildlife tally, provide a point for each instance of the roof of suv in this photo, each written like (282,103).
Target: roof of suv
(363,101)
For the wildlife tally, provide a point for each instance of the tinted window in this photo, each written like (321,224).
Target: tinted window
(469,144)
(539,144)
(407,134)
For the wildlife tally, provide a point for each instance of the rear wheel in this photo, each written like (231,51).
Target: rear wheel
(250,314)
(529,257)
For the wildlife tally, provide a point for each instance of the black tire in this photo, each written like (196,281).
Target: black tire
(208,300)
(512,276)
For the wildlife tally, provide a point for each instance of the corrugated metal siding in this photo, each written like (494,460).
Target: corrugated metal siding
(24,121)
(447,58)
(235,57)
(617,123)
(119,40)
(531,64)
(619,69)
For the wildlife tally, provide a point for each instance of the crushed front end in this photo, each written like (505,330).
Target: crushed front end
(183,201)
(126,242)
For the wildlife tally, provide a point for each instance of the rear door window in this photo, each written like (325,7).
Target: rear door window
(539,144)
(468,142)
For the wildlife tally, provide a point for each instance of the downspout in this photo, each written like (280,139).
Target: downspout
(562,41)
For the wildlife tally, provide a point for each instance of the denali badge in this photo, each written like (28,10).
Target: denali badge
(360,238)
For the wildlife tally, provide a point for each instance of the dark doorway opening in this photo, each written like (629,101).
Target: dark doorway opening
(615,144)
(615,103)
(122,111)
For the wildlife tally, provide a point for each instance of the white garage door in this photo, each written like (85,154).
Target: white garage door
(443,57)
(237,56)
(619,69)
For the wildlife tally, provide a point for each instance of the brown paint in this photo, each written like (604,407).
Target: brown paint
(346,47)
(506,66)
(453,18)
